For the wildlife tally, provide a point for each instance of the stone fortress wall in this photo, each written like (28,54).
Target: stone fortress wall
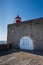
(32,28)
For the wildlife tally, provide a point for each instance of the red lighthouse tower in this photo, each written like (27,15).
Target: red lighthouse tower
(18,19)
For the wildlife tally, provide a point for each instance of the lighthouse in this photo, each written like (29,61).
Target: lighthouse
(18,19)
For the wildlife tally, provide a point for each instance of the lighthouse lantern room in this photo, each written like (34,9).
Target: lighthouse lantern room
(18,19)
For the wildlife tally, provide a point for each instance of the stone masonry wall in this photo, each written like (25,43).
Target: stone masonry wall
(17,31)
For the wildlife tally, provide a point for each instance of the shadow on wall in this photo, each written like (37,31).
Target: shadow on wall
(8,51)
(36,52)
(26,43)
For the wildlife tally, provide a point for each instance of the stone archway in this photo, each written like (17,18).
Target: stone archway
(26,43)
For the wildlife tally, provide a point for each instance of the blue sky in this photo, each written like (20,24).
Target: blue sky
(27,9)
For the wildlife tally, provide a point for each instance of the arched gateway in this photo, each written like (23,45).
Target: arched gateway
(26,43)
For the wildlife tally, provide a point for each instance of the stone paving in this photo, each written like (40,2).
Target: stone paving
(21,58)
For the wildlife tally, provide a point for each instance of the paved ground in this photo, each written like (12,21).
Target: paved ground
(15,57)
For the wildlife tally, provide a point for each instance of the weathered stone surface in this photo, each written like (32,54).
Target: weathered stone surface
(22,58)
(32,28)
